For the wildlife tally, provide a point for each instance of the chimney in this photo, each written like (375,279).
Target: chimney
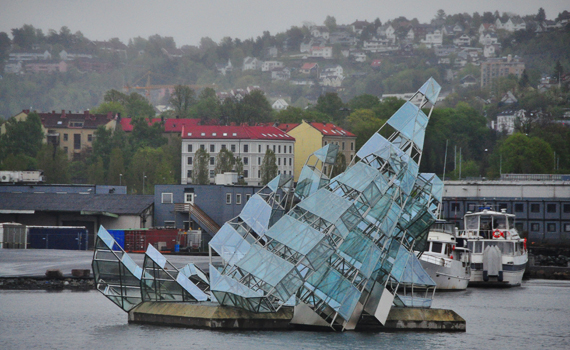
(63,113)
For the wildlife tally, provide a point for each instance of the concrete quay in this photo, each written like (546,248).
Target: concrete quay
(216,317)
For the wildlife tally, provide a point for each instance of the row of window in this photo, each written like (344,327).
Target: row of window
(518,207)
(245,160)
(238,198)
(277,149)
(212,173)
(341,145)
(550,227)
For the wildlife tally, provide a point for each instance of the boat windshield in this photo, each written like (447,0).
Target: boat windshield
(444,227)
(485,224)
(472,222)
(478,247)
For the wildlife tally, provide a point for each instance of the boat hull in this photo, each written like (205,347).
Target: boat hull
(454,276)
(511,278)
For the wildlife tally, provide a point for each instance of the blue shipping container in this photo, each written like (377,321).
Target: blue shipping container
(119,236)
(69,238)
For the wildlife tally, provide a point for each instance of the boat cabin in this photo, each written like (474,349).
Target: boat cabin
(489,225)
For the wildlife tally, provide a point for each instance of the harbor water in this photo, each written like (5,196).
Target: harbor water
(536,315)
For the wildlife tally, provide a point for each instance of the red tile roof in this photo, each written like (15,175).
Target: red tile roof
(235,132)
(170,124)
(329,129)
(308,66)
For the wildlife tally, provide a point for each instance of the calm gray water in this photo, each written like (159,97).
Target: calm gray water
(533,316)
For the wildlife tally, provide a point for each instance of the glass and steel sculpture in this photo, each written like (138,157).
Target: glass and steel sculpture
(126,284)
(346,247)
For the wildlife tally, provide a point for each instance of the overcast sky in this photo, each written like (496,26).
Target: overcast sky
(189,20)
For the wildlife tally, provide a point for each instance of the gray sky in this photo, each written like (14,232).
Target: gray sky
(189,20)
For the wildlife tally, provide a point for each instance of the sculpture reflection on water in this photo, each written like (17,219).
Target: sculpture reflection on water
(347,247)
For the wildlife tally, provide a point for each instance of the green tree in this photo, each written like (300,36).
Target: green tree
(148,167)
(520,154)
(363,123)
(138,107)
(268,167)
(96,172)
(145,135)
(364,101)
(225,161)
(182,99)
(330,23)
(22,137)
(18,162)
(256,108)
(339,164)
(200,173)
(54,163)
(4,48)
(558,70)
(540,16)
(116,167)
(239,171)
(331,105)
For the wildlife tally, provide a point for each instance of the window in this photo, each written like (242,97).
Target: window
(455,207)
(203,147)
(519,207)
(65,137)
(167,198)
(258,160)
(169,224)
(266,147)
(212,174)
(519,226)
(189,160)
(245,148)
(273,148)
(212,148)
(326,143)
(238,198)
(223,147)
(189,173)
(566,227)
(352,146)
(290,161)
(551,227)
(502,206)
(278,161)
(279,149)
(212,160)
(290,149)
(534,226)
(245,174)
(566,208)
(228,198)
(245,160)
(189,148)
(259,173)
(65,149)
(535,208)
(233,148)
(188,197)
(258,148)
(436,247)
(247,197)
(90,137)
(471,207)
(76,141)
(551,208)
(343,145)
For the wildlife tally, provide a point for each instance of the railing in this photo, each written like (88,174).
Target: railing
(199,215)
(435,260)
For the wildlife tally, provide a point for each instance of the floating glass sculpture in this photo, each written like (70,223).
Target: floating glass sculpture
(347,246)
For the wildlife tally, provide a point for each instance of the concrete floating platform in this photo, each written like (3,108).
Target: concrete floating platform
(208,315)
(407,319)
(214,316)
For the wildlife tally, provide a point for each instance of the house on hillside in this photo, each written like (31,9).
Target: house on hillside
(224,68)
(321,51)
(251,63)
(268,66)
(281,74)
(309,68)
(279,104)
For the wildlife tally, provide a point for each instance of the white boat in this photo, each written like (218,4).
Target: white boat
(498,253)
(446,259)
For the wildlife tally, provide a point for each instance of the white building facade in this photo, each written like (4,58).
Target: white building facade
(247,142)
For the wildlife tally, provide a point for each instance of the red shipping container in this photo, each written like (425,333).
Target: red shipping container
(161,239)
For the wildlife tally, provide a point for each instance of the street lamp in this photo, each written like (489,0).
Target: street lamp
(144,177)
(120,179)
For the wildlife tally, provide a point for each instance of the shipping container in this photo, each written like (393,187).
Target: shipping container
(119,236)
(13,236)
(58,237)
(161,239)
